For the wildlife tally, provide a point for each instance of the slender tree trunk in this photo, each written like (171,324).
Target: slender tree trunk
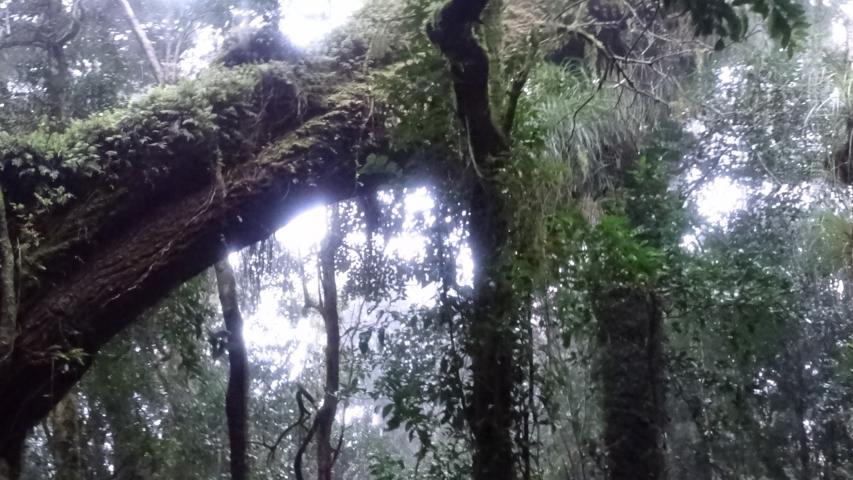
(144,41)
(10,457)
(704,462)
(832,466)
(57,83)
(236,409)
(65,441)
(529,411)
(331,320)
(96,437)
(630,339)
(8,296)
(58,76)
(804,450)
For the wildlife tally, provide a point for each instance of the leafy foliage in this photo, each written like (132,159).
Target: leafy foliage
(785,18)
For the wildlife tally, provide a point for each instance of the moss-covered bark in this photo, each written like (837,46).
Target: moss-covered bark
(491,342)
(152,217)
(630,338)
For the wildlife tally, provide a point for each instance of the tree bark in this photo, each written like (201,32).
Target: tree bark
(236,399)
(630,338)
(331,320)
(491,343)
(62,28)
(142,239)
(57,80)
(8,295)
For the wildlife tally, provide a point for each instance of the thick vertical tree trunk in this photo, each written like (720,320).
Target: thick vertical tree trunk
(65,439)
(331,320)
(631,373)
(236,409)
(492,341)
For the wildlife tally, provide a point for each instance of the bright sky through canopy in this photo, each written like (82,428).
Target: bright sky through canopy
(307,21)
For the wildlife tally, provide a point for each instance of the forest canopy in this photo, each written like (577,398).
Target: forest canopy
(417,239)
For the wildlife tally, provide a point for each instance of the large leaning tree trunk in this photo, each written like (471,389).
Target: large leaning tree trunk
(630,341)
(154,217)
(491,342)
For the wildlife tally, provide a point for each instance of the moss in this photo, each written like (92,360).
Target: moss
(219,110)
(160,143)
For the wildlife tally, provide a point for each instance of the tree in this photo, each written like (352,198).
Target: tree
(122,208)
(46,26)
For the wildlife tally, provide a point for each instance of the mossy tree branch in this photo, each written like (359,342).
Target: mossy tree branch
(154,217)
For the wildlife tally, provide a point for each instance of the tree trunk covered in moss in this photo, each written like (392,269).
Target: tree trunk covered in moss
(158,219)
(631,370)
(492,340)
(237,394)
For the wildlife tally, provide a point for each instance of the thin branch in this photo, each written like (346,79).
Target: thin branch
(517,87)
(76,21)
(301,396)
(144,41)
(297,462)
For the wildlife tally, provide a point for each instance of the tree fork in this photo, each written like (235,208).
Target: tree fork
(491,343)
